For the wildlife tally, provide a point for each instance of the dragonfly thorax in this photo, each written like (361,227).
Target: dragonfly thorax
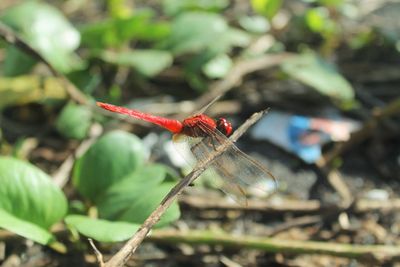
(201,125)
(198,126)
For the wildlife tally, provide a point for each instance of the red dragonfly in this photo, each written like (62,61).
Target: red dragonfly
(238,171)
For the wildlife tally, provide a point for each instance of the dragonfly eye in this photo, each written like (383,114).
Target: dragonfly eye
(224,126)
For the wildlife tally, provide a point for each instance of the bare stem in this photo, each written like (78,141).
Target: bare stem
(99,256)
(376,254)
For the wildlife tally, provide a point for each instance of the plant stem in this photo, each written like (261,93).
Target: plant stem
(375,253)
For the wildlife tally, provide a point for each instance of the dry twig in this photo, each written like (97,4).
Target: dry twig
(373,254)
(60,177)
(99,256)
(292,206)
(236,74)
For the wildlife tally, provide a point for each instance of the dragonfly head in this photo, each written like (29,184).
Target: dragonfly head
(224,126)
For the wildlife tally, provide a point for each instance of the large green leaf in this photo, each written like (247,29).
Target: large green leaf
(319,74)
(102,230)
(139,203)
(47,30)
(28,194)
(127,204)
(113,156)
(24,228)
(120,197)
(146,61)
(116,31)
(74,121)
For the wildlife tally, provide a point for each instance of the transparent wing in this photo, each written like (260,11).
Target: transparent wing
(203,109)
(239,173)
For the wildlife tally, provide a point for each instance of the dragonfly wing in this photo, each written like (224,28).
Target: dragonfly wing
(203,109)
(236,167)
(239,173)
(193,150)
(183,144)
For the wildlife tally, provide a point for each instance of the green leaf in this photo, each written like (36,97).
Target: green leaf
(232,37)
(116,31)
(47,30)
(113,156)
(318,20)
(194,31)
(74,121)
(147,62)
(316,17)
(29,88)
(218,67)
(102,230)
(28,194)
(16,62)
(86,80)
(24,228)
(312,70)
(267,8)
(118,8)
(256,24)
(120,196)
(144,202)
(174,7)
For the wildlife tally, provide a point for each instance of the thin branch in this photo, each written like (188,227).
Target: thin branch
(295,222)
(293,206)
(367,130)
(14,39)
(237,73)
(376,254)
(98,254)
(123,255)
(336,180)
(61,175)
(266,206)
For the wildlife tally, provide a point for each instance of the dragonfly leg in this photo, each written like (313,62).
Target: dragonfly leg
(211,142)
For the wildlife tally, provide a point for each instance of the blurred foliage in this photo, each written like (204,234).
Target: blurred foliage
(29,88)
(268,8)
(203,39)
(74,121)
(47,30)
